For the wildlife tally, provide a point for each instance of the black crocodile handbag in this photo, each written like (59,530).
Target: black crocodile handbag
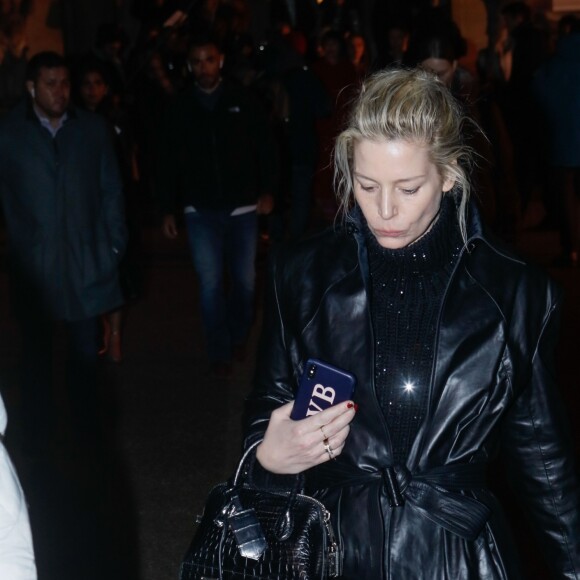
(248,533)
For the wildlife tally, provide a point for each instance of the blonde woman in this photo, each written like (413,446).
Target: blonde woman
(450,337)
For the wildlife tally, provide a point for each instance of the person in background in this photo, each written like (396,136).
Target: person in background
(358,54)
(437,46)
(557,89)
(418,301)
(339,78)
(109,51)
(521,48)
(13,61)
(62,198)
(17,560)
(392,42)
(95,95)
(218,165)
(295,99)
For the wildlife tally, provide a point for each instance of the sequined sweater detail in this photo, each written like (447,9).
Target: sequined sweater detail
(407,288)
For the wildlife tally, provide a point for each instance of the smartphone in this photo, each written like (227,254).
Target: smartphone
(321,386)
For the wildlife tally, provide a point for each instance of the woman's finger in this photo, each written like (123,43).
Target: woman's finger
(329,415)
(332,426)
(330,452)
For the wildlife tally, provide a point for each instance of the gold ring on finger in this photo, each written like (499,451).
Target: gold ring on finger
(329,450)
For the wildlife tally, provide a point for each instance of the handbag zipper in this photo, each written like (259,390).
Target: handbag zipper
(334,560)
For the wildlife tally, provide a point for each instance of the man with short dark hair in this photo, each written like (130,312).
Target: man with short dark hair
(61,194)
(218,162)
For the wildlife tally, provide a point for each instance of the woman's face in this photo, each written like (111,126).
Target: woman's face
(398,189)
(442,67)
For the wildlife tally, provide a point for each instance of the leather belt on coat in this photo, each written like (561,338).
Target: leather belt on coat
(435,494)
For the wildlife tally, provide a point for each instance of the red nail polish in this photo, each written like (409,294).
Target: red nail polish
(351,405)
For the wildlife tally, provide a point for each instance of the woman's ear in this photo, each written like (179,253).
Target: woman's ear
(449,178)
(448,183)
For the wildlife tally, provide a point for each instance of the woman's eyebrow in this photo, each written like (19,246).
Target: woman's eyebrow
(402,180)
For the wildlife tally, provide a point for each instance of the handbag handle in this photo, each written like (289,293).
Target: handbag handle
(243,460)
(285,523)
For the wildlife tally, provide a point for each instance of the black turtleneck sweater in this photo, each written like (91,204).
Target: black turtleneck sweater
(407,287)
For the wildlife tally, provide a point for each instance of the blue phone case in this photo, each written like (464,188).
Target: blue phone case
(321,386)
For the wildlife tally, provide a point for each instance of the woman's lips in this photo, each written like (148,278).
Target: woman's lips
(389,233)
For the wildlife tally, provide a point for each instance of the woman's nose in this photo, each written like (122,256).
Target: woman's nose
(386,206)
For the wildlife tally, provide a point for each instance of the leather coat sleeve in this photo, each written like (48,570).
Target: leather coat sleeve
(272,382)
(539,457)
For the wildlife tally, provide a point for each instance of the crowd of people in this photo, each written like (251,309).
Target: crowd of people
(238,139)
(301,82)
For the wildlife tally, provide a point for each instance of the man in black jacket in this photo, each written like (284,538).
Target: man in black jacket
(62,199)
(217,162)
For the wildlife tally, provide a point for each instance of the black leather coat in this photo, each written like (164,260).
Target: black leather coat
(492,390)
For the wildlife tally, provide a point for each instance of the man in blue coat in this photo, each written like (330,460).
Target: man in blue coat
(62,199)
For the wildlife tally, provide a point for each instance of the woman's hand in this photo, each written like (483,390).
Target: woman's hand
(290,446)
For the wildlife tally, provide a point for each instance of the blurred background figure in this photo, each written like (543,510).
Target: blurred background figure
(63,264)
(392,41)
(358,54)
(339,78)
(340,15)
(109,51)
(94,93)
(521,48)
(13,60)
(436,45)
(218,168)
(294,99)
(557,89)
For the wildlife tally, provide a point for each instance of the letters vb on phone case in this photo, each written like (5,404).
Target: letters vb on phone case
(321,386)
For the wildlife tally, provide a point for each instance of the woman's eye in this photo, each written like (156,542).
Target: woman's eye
(410,191)
(368,188)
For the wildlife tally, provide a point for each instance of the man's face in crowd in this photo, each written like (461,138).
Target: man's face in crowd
(206,62)
(51,91)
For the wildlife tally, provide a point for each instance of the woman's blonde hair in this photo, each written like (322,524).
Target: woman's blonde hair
(410,105)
